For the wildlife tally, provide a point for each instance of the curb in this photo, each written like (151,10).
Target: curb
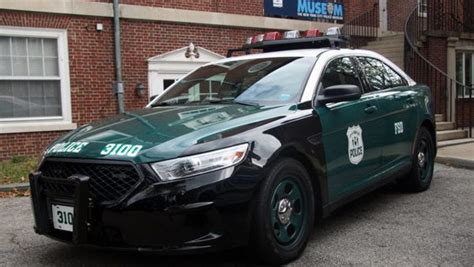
(14,187)
(456,162)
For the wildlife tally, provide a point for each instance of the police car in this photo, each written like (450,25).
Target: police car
(245,151)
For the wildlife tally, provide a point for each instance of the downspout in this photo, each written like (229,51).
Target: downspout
(119,89)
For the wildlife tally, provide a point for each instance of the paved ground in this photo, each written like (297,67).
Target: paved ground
(459,155)
(384,228)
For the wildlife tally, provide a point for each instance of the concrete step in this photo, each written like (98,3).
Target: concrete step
(389,40)
(445,125)
(379,48)
(392,56)
(393,36)
(439,117)
(399,64)
(388,52)
(451,135)
(386,42)
(388,49)
(397,61)
(455,142)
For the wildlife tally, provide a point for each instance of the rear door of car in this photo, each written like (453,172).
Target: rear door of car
(397,107)
(351,132)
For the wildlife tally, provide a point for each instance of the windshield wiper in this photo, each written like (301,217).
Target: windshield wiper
(233,101)
(247,103)
(162,104)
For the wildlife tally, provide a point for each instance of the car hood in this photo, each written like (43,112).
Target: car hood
(161,133)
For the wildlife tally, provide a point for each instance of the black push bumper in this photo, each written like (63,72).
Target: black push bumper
(208,212)
(80,202)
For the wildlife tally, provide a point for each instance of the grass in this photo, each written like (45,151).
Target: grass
(16,170)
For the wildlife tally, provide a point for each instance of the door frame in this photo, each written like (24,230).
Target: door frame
(175,64)
(156,80)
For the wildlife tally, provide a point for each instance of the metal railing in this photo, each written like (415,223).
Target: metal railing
(450,96)
(363,28)
(449,15)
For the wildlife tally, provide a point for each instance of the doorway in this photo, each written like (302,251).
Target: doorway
(165,69)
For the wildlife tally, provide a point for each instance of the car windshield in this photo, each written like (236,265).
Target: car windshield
(259,82)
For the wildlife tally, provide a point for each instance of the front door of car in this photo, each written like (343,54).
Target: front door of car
(398,109)
(351,133)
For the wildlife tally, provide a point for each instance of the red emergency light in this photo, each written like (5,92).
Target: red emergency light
(313,33)
(272,36)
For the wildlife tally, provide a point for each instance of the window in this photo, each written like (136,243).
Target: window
(340,71)
(168,82)
(464,72)
(380,76)
(34,82)
(423,8)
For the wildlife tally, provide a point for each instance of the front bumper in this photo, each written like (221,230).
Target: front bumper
(208,212)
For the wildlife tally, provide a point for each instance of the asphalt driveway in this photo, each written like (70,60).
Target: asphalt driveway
(386,227)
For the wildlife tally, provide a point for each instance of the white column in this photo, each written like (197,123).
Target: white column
(383,16)
(451,62)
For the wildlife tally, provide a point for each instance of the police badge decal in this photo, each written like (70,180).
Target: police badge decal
(355,148)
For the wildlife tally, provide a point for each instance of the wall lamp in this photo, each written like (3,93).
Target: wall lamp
(140,89)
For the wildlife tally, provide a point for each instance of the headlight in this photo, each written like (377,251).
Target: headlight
(202,163)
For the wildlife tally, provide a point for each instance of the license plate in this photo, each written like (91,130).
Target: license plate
(62,217)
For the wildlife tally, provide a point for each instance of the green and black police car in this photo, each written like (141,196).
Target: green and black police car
(245,151)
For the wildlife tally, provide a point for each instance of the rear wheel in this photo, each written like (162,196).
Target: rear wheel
(421,174)
(284,215)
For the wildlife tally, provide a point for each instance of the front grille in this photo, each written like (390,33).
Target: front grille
(108,182)
(57,188)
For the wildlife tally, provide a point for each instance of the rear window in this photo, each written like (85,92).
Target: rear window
(379,75)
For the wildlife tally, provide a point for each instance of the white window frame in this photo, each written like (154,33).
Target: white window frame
(464,52)
(39,124)
(422,4)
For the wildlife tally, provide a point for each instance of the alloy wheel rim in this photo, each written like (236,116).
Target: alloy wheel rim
(287,211)
(423,159)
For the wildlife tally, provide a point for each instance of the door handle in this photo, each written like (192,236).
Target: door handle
(370,109)
(410,100)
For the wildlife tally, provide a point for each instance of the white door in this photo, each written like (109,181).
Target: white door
(165,69)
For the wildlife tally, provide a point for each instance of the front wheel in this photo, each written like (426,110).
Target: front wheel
(284,214)
(421,174)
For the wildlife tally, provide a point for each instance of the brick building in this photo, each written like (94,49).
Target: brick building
(57,68)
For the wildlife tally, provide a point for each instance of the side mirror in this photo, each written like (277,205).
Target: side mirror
(340,93)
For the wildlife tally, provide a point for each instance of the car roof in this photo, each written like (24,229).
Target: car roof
(301,53)
(286,53)
(335,52)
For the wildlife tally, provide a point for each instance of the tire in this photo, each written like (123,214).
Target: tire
(279,237)
(421,174)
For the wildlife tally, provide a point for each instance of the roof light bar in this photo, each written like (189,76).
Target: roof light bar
(249,41)
(333,31)
(272,36)
(259,38)
(291,34)
(313,33)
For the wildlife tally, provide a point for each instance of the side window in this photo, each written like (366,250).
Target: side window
(380,76)
(340,71)
(394,78)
